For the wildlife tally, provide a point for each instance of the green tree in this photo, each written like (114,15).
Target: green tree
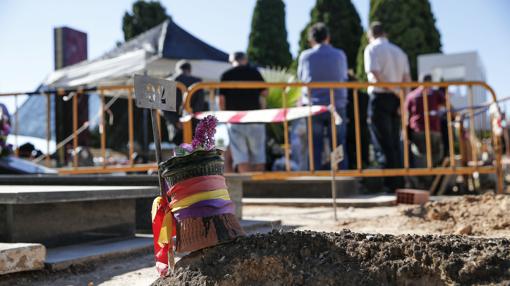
(145,16)
(409,24)
(344,24)
(268,44)
(360,62)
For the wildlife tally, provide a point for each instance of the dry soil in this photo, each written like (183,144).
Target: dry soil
(346,258)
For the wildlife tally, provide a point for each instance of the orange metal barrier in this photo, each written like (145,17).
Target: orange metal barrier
(495,168)
(114,92)
(452,169)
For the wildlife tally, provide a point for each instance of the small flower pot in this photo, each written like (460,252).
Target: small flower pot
(200,231)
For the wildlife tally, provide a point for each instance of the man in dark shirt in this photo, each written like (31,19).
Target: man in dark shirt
(241,99)
(415,108)
(183,75)
(247,141)
(416,119)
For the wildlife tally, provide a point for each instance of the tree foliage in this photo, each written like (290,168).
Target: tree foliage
(268,44)
(144,16)
(360,62)
(409,24)
(344,24)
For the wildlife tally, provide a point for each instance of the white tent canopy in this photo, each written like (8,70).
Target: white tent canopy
(154,52)
(104,72)
(120,70)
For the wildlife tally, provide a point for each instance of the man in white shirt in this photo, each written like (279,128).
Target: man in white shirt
(385,62)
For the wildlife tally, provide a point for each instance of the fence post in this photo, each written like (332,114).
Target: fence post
(75,127)
(332,110)
(48,129)
(451,137)
(472,133)
(286,132)
(355,96)
(131,126)
(403,115)
(425,96)
(102,129)
(310,133)
(16,128)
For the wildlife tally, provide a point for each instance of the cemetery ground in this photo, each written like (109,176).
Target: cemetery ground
(468,245)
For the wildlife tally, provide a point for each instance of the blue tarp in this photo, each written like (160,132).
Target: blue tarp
(170,41)
(180,44)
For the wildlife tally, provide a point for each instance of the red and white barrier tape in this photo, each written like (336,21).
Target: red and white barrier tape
(274,115)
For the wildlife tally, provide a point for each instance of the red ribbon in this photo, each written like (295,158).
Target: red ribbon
(195,185)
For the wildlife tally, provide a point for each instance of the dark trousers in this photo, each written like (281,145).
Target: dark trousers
(363,128)
(321,124)
(419,156)
(385,130)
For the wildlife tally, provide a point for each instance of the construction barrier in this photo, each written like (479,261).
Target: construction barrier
(470,161)
(468,155)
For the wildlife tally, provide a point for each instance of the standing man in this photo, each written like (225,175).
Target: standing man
(183,75)
(414,106)
(385,62)
(323,62)
(247,141)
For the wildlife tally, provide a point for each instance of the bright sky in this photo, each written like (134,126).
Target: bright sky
(26,33)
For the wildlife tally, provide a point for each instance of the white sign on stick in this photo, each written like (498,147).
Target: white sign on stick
(155,93)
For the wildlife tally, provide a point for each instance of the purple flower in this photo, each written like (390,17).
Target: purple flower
(204,133)
(186,146)
(203,139)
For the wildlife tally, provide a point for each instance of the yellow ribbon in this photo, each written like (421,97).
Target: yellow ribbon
(165,233)
(155,206)
(221,194)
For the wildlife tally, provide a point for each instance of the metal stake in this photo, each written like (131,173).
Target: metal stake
(157,148)
(333,187)
(337,155)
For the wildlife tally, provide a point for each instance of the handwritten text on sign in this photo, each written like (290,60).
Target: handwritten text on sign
(155,93)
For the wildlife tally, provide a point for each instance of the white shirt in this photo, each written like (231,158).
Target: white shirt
(388,60)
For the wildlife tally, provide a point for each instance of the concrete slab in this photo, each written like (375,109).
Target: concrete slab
(57,215)
(62,257)
(37,194)
(80,180)
(66,206)
(18,257)
(301,187)
(65,223)
(356,202)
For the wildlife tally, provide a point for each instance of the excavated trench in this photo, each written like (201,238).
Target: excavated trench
(346,258)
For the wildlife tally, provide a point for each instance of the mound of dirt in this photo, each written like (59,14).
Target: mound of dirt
(469,215)
(346,258)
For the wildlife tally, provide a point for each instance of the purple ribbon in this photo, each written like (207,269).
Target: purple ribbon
(205,208)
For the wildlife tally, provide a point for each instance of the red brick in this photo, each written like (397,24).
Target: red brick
(410,196)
